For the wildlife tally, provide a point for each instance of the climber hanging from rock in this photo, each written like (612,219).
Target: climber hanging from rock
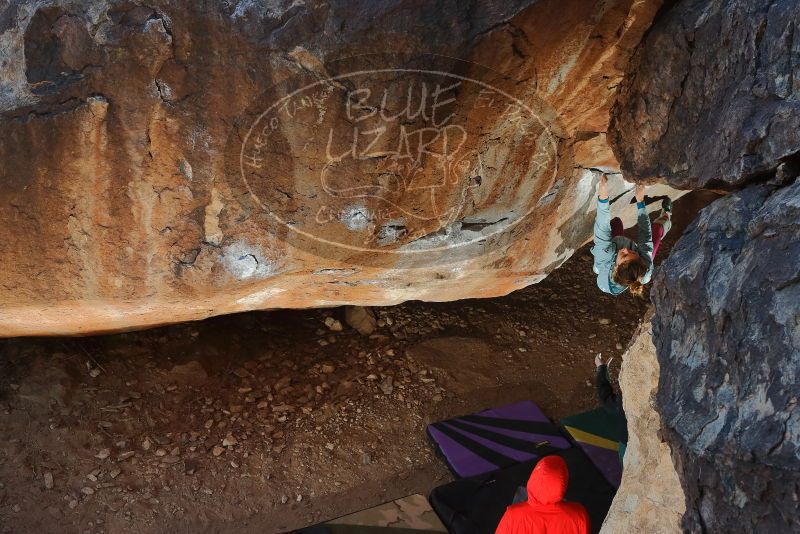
(619,262)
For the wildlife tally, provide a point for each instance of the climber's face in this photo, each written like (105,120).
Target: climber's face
(625,255)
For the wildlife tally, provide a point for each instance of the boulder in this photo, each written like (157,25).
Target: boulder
(711,98)
(650,498)
(361,319)
(727,334)
(167,161)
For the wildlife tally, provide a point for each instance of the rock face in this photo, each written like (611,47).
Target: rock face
(165,161)
(712,95)
(712,99)
(727,330)
(650,498)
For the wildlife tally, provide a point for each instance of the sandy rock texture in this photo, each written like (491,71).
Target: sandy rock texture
(711,99)
(170,161)
(650,498)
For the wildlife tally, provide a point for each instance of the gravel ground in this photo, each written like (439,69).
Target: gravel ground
(269,421)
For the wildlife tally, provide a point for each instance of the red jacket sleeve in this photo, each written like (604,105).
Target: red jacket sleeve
(586,524)
(505,525)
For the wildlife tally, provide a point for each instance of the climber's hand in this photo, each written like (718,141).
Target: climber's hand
(602,188)
(599,360)
(639,192)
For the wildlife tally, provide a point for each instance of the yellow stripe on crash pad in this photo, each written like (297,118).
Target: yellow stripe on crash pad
(591,439)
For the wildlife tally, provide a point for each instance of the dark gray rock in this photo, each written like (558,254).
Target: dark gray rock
(711,100)
(712,96)
(727,334)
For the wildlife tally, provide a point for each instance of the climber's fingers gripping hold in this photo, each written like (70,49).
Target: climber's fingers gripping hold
(639,192)
(600,360)
(602,187)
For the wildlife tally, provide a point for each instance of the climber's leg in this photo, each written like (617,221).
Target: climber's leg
(662,224)
(658,234)
(616,227)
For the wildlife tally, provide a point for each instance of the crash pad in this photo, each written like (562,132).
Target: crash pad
(595,432)
(496,438)
(409,515)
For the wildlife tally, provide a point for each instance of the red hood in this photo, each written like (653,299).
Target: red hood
(548,482)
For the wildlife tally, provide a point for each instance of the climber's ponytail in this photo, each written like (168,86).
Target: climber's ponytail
(637,289)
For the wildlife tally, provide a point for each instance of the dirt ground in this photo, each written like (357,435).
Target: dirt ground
(269,421)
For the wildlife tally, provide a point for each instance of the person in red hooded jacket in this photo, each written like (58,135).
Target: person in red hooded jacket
(546,512)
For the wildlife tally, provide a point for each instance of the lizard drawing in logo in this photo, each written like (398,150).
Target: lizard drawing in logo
(411,164)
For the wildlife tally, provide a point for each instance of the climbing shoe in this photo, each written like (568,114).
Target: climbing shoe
(666,205)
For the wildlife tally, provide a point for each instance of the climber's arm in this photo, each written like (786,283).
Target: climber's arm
(603,250)
(645,231)
(602,223)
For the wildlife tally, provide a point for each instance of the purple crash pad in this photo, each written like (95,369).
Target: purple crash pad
(606,461)
(496,438)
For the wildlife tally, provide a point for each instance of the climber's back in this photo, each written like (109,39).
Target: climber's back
(546,512)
